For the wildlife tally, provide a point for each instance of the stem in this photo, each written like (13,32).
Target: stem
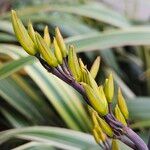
(106,146)
(110,108)
(119,127)
(65,69)
(127,142)
(72,82)
(109,118)
(63,73)
(140,144)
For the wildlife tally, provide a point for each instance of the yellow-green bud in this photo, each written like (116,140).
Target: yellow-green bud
(57,52)
(101,134)
(101,92)
(109,88)
(61,42)
(96,137)
(47,38)
(114,145)
(74,64)
(122,104)
(119,115)
(22,34)
(95,67)
(81,63)
(94,119)
(32,33)
(92,82)
(45,51)
(97,103)
(105,126)
(84,75)
(83,72)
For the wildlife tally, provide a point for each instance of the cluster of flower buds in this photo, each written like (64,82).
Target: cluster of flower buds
(102,131)
(63,62)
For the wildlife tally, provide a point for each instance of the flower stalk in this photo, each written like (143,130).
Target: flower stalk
(64,63)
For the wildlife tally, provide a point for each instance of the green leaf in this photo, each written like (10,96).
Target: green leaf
(13,66)
(141,124)
(57,137)
(109,39)
(14,119)
(6,26)
(139,108)
(35,146)
(92,10)
(7,38)
(16,97)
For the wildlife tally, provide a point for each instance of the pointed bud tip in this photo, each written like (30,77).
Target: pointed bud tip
(119,115)
(71,47)
(61,42)
(95,67)
(110,76)
(22,34)
(46,28)
(57,32)
(122,104)
(57,29)
(14,15)
(13,11)
(98,58)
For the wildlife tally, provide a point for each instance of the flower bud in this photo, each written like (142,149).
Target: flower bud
(22,34)
(84,75)
(101,93)
(96,137)
(95,67)
(101,134)
(114,145)
(32,33)
(45,51)
(47,38)
(57,52)
(122,104)
(74,64)
(105,127)
(109,88)
(81,63)
(61,42)
(83,72)
(119,115)
(92,82)
(94,118)
(97,103)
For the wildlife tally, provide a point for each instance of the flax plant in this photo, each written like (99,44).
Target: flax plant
(109,125)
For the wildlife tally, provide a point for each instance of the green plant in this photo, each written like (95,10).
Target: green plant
(95,30)
(66,66)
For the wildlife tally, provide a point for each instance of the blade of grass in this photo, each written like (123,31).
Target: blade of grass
(16,97)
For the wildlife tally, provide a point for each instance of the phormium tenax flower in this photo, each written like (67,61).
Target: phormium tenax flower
(62,61)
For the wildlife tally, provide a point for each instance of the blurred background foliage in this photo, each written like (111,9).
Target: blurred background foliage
(32,97)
